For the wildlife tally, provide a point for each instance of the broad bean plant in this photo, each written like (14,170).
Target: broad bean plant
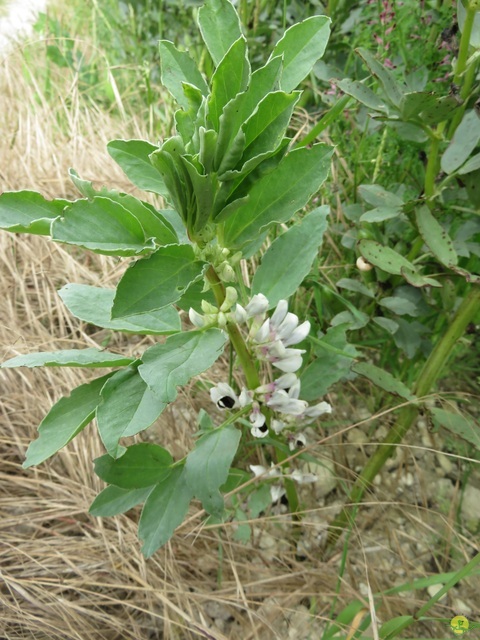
(231,179)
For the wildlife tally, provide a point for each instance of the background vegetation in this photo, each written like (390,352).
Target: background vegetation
(90,74)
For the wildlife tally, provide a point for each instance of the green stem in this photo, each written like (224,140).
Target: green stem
(322,124)
(432,164)
(464,42)
(427,377)
(252,379)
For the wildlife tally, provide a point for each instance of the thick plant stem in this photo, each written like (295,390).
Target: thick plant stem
(252,378)
(432,164)
(427,377)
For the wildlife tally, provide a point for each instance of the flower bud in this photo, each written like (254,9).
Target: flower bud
(196,319)
(363,265)
(208,308)
(231,297)
(226,273)
(257,305)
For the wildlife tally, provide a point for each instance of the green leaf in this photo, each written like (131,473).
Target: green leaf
(127,407)
(400,306)
(180,358)
(377,196)
(207,466)
(330,366)
(393,89)
(389,325)
(113,500)
(464,141)
(301,46)
(417,279)
(157,281)
(132,156)
(383,379)
(64,421)
(383,257)
(164,510)
(435,237)
(459,424)
(278,195)
(380,214)
(220,27)
(265,129)
(362,93)
(94,305)
(69,358)
(290,257)
(355,285)
(230,78)
(390,627)
(473,164)
(415,102)
(443,109)
(177,68)
(29,212)
(153,223)
(101,225)
(239,110)
(141,466)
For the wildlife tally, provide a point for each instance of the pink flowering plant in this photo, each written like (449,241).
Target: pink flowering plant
(230,176)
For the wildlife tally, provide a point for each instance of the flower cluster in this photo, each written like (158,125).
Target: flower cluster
(271,339)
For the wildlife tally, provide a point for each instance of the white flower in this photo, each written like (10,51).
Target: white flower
(278,426)
(231,296)
(297,442)
(299,334)
(257,305)
(260,470)
(239,315)
(259,432)
(317,410)
(196,319)
(283,402)
(286,381)
(291,360)
(224,396)
(256,417)
(277,492)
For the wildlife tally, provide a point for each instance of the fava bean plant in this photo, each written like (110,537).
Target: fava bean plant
(230,176)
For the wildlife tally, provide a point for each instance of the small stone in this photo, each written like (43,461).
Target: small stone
(433,589)
(326,477)
(471,503)
(459,606)
(357,437)
(216,611)
(445,463)
(407,479)
(363,589)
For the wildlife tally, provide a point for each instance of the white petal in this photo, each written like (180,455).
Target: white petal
(257,305)
(276,349)
(286,381)
(259,432)
(290,364)
(231,296)
(220,392)
(288,326)
(245,398)
(240,315)
(300,333)
(276,492)
(294,390)
(258,469)
(263,333)
(279,313)
(318,410)
(281,401)
(257,418)
(195,318)
(298,441)
(278,426)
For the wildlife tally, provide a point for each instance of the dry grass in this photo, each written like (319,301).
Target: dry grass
(66,575)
